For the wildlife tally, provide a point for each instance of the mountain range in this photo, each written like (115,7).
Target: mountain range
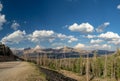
(64,52)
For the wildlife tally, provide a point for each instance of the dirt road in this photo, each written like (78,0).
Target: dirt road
(17,71)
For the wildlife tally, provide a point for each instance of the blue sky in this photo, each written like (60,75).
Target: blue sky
(83,24)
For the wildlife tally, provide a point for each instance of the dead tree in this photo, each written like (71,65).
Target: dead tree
(105,66)
(87,67)
(38,58)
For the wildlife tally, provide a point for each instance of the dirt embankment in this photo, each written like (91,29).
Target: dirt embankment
(55,76)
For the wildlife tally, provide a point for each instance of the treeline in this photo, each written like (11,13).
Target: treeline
(107,66)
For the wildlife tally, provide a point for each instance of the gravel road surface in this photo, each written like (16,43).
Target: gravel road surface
(15,71)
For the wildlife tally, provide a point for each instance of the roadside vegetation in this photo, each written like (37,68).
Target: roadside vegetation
(36,75)
(103,68)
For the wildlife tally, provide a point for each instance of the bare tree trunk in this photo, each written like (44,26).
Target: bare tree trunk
(72,64)
(105,67)
(69,64)
(94,62)
(115,69)
(60,59)
(48,60)
(38,59)
(64,59)
(44,59)
(42,63)
(87,68)
(112,68)
(26,57)
(56,64)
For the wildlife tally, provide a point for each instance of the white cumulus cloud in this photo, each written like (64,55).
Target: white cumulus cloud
(102,27)
(115,42)
(93,47)
(83,28)
(41,35)
(109,36)
(37,36)
(90,36)
(2,17)
(100,46)
(1,7)
(2,21)
(96,41)
(49,35)
(62,36)
(118,7)
(79,46)
(72,39)
(14,37)
(106,23)
(104,46)
(15,25)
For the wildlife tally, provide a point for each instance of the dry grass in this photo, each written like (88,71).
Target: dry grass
(73,75)
(83,78)
(36,75)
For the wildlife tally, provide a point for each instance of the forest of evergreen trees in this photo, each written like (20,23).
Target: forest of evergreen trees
(106,66)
